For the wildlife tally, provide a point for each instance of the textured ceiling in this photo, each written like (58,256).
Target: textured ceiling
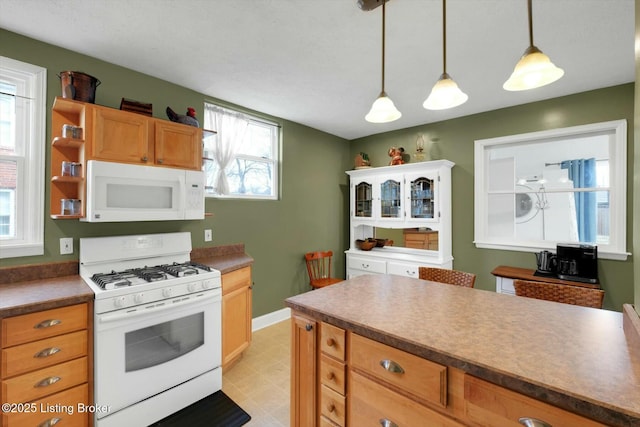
(318,62)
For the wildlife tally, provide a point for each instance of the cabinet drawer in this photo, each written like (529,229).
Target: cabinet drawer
(40,354)
(367,264)
(332,374)
(236,279)
(403,269)
(490,405)
(64,406)
(421,378)
(332,341)
(37,384)
(332,405)
(43,324)
(370,404)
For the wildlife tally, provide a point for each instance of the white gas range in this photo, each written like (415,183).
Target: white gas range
(157,346)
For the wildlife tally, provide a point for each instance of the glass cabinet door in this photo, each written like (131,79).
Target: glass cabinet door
(390,199)
(363,199)
(422,197)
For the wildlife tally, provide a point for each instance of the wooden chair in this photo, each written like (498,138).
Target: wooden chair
(451,277)
(567,294)
(319,269)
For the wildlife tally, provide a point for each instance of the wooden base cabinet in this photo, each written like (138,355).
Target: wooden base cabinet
(46,367)
(339,379)
(236,315)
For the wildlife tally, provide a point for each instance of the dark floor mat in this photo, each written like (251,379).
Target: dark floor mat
(215,410)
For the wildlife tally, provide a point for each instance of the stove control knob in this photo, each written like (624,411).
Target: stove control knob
(138,298)
(166,292)
(119,301)
(206,284)
(192,287)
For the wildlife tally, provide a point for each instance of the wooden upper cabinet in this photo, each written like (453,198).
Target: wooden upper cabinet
(121,137)
(178,145)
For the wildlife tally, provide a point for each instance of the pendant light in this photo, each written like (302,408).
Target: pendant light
(534,69)
(383,110)
(445,93)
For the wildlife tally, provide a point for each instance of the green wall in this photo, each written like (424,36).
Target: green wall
(312,211)
(310,214)
(454,140)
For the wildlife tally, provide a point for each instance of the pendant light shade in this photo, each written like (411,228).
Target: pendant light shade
(534,69)
(445,93)
(383,110)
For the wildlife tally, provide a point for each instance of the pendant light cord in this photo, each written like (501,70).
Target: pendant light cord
(383,30)
(444,36)
(529,8)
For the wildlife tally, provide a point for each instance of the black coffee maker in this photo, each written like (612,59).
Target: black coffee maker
(577,262)
(547,264)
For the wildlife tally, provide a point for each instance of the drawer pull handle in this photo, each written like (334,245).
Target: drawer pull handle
(387,423)
(391,366)
(411,273)
(46,352)
(47,323)
(308,326)
(365,265)
(533,422)
(50,422)
(47,382)
(331,342)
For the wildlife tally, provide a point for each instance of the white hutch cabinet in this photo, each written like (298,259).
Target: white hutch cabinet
(408,204)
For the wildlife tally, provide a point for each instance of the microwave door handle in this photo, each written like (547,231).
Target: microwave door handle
(183,195)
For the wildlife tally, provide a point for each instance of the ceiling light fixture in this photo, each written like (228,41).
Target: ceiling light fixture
(445,93)
(534,69)
(383,110)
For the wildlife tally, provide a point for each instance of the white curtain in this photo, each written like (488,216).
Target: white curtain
(230,127)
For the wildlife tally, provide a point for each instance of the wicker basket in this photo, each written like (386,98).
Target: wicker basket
(567,294)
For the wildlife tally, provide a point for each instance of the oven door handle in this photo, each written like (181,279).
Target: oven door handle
(157,308)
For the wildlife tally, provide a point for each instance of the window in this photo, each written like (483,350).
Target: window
(539,189)
(22,152)
(242,157)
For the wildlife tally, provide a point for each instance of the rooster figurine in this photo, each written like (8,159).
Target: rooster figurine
(185,119)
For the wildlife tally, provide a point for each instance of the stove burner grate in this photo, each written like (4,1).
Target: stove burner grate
(112,280)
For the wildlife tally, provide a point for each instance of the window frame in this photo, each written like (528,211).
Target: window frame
(30,189)
(616,249)
(275,160)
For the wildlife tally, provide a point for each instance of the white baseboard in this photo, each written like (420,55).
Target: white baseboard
(269,319)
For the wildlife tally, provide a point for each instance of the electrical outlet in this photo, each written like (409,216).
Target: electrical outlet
(66,245)
(208,235)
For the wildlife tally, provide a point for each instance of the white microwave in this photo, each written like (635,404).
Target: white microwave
(118,192)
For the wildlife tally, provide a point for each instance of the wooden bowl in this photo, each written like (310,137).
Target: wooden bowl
(366,245)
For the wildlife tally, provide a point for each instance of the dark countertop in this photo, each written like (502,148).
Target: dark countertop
(30,288)
(577,358)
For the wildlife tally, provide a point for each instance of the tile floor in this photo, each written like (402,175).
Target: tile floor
(259,381)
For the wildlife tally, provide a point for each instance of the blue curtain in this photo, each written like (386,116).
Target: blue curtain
(583,174)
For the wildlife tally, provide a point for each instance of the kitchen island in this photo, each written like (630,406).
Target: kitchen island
(489,358)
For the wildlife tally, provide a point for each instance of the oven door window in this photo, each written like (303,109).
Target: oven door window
(166,341)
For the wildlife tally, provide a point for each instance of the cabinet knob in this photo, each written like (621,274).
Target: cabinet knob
(47,323)
(144,158)
(392,366)
(50,422)
(332,407)
(331,342)
(47,382)
(160,161)
(331,376)
(387,423)
(308,326)
(533,422)
(46,352)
